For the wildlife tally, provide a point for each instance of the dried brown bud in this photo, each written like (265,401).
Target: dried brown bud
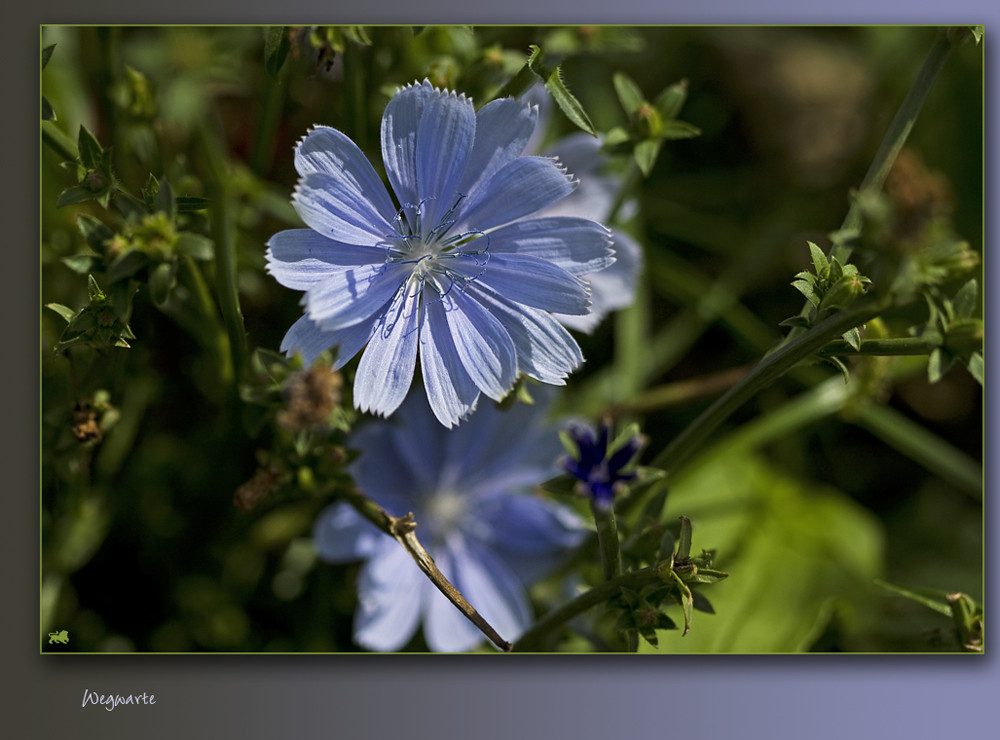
(311,396)
(255,490)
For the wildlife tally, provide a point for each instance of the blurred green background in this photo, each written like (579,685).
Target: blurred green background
(143,449)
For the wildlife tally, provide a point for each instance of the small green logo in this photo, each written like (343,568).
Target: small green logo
(62,637)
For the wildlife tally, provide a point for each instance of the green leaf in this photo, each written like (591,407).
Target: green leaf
(797,551)
(162,281)
(977,368)
(94,232)
(964,302)
(48,114)
(83,264)
(646,153)
(680,130)
(195,246)
(796,321)
(671,100)
(64,311)
(127,265)
(821,265)
(276,47)
(805,287)
(568,103)
(191,204)
(853,338)
(164,200)
(74,195)
(936,365)
(90,150)
(629,94)
(47,54)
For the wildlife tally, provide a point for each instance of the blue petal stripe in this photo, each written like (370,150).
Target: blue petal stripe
(328,150)
(516,190)
(444,140)
(335,208)
(482,344)
(386,368)
(345,298)
(533,282)
(577,245)
(450,391)
(299,258)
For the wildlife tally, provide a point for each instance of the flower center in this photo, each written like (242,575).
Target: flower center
(444,511)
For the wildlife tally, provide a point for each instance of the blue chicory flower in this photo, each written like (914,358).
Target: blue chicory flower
(453,270)
(601,474)
(469,490)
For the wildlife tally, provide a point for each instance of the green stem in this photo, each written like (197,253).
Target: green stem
(262,150)
(892,144)
(598,595)
(892,347)
(607,537)
(764,374)
(225,248)
(899,130)
(60,142)
(924,447)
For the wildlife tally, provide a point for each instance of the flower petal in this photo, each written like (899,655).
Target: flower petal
(300,258)
(444,140)
(386,368)
(503,128)
(400,123)
(335,207)
(531,534)
(545,350)
(310,340)
(481,343)
(611,288)
(577,245)
(345,298)
(391,593)
(342,535)
(517,189)
(326,149)
(450,391)
(533,282)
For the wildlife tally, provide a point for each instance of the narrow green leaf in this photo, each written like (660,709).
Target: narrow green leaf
(64,311)
(939,606)
(127,265)
(680,130)
(977,368)
(629,94)
(195,246)
(191,204)
(936,366)
(806,289)
(164,200)
(276,47)
(162,281)
(47,54)
(48,114)
(568,103)
(94,232)
(83,263)
(853,338)
(645,154)
(820,263)
(798,321)
(90,149)
(74,195)
(671,100)
(964,303)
